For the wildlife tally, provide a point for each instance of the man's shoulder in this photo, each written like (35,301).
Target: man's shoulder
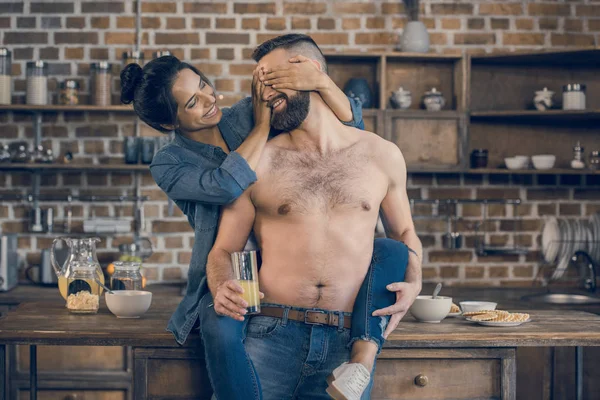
(377,145)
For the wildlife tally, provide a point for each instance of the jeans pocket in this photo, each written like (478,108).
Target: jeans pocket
(262,326)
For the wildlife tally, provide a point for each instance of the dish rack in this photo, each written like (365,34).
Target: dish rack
(582,239)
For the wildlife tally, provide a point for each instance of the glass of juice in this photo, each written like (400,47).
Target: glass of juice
(245,271)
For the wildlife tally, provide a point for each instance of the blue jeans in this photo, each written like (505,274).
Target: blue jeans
(293,359)
(232,373)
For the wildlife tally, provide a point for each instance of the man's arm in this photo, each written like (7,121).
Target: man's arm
(235,226)
(397,219)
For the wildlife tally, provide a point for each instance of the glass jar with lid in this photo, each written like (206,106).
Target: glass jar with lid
(83,292)
(69,92)
(133,57)
(127,276)
(574,96)
(101,83)
(37,83)
(5,75)
(161,53)
(594,162)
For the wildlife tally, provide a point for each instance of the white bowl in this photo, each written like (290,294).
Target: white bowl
(513,163)
(544,161)
(128,303)
(427,309)
(470,306)
(524,160)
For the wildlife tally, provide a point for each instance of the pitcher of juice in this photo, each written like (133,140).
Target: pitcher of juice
(81,251)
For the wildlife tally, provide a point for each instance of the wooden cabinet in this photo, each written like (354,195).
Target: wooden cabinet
(437,374)
(72,372)
(75,395)
(408,374)
(170,374)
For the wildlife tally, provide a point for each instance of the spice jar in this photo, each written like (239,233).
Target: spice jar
(574,96)
(578,161)
(133,57)
(69,93)
(37,82)
(479,158)
(594,162)
(127,276)
(101,80)
(83,292)
(161,53)
(5,73)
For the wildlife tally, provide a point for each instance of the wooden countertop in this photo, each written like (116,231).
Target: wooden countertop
(46,321)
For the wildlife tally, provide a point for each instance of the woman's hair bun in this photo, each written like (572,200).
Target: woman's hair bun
(131,76)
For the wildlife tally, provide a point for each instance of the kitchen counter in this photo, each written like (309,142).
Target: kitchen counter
(43,319)
(459,359)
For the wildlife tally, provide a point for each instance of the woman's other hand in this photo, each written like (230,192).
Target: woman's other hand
(300,73)
(262,111)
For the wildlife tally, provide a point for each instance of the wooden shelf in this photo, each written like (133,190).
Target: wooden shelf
(534,115)
(74,167)
(424,114)
(54,108)
(393,54)
(582,56)
(553,171)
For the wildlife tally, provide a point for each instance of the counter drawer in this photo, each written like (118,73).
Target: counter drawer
(75,395)
(415,374)
(170,374)
(74,359)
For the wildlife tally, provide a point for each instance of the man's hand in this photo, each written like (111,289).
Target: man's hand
(406,293)
(228,301)
(300,73)
(262,111)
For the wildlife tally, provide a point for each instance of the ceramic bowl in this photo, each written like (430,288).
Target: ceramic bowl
(470,306)
(513,163)
(427,309)
(545,161)
(128,303)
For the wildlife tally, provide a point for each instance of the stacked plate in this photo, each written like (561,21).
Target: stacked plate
(561,238)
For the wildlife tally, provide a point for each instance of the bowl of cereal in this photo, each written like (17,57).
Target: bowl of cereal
(128,303)
(428,309)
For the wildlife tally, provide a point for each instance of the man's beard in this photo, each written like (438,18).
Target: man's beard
(295,112)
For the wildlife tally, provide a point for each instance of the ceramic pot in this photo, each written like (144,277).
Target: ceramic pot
(415,38)
(543,99)
(433,100)
(401,99)
(358,88)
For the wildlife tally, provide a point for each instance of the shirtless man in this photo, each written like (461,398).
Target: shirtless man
(314,210)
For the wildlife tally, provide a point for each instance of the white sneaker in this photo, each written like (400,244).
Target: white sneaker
(351,380)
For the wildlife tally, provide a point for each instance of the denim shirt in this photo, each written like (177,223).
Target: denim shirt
(200,178)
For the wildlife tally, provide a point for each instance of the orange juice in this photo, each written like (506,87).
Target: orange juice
(251,295)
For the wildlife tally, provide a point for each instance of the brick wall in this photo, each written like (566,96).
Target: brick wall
(218,37)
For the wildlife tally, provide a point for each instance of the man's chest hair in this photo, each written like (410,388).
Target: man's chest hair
(307,182)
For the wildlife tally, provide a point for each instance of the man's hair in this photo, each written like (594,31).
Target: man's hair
(295,43)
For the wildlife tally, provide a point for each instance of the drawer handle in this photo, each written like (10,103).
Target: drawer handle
(421,380)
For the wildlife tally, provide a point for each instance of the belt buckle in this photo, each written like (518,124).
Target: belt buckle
(313,311)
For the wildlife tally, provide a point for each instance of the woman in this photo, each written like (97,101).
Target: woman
(210,163)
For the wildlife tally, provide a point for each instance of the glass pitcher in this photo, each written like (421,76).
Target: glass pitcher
(81,251)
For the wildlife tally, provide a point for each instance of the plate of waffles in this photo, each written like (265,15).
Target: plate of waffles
(499,318)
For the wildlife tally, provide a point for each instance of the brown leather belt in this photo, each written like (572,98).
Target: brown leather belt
(311,317)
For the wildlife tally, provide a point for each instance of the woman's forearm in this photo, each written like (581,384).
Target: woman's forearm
(335,99)
(254,144)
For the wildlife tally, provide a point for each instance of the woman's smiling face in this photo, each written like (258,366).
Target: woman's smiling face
(196,102)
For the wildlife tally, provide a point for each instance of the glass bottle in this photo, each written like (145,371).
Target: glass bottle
(127,276)
(594,162)
(37,83)
(5,75)
(101,83)
(69,92)
(133,57)
(83,292)
(4,154)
